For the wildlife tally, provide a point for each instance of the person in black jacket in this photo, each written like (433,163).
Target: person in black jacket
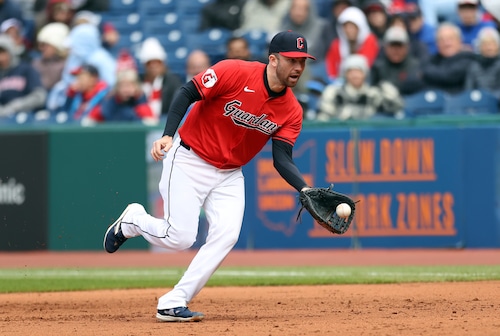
(484,73)
(396,65)
(447,69)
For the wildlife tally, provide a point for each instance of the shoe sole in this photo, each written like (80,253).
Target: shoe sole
(116,223)
(163,318)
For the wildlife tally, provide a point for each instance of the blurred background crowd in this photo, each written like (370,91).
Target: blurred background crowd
(92,61)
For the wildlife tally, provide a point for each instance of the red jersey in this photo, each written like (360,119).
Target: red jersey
(237,116)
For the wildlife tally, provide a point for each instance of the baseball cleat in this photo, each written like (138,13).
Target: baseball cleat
(179,314)
(114,238)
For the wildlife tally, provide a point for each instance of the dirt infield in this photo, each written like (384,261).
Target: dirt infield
(404,309)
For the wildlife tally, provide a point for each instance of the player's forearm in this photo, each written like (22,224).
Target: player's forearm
(282,158)
(186,95)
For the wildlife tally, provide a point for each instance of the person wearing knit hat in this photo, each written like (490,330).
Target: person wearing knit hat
(484,71)
(53,52)
(159,84)
(356,99)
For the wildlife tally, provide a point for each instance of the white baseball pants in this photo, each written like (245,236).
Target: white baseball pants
(187,184)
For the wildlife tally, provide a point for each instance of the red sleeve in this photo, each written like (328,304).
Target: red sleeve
(144,111)
(370,49)
(333,59)
(96,113)
(218,78)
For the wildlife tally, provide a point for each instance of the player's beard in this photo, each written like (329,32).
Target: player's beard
(285,76)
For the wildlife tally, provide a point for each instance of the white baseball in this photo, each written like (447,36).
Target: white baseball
(343,210)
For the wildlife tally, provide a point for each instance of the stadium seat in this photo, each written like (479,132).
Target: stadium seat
(176,60)
(472,102)
(190,24)
(191,7)
(155,7)
(212,41)
(428,102)
(124,23)
(124,6)
(160,24)
(257,42)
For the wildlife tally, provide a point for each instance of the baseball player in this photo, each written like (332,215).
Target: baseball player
(240,105)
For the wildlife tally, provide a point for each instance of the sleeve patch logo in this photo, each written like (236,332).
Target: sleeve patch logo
(209,78)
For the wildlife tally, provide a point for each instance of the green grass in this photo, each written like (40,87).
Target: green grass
(70,279)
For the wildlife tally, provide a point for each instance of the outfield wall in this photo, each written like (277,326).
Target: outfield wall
(427,183)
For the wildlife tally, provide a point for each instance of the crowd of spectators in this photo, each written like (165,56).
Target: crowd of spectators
(58,58)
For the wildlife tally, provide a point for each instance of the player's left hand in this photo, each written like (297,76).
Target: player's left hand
(160,147)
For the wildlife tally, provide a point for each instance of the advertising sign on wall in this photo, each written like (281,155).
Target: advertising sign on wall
(409,184)
(23,191)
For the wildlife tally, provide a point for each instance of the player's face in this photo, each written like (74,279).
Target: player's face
(289,70)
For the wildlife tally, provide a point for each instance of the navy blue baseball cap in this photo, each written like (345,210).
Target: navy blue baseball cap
(289,44)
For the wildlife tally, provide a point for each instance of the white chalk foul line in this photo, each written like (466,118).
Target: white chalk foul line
(222,273)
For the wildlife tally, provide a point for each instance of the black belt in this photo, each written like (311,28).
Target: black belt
(183,144)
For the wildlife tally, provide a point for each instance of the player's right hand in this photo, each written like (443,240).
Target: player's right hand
(160,147)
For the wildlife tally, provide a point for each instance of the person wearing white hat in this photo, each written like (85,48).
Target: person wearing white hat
(53,52)
(357,99)
(159,84)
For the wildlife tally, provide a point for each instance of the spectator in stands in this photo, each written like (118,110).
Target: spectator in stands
(86,96)
(85,46)
(53,53)
(40,6)
(222,14)
(159,84)
(470,21)
(338,6)
(52,11)
(14,28)
(417,48)
(354,38)
(303,18)
(420,30)
(484,72)
(109,35)
(396,65)
(377,17)
(20,86)
(447,69)
(237,48)
(9,9)
(356,99)
(264,15)
(127,101)
(197,61)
